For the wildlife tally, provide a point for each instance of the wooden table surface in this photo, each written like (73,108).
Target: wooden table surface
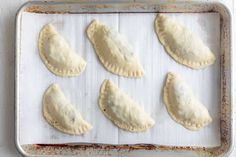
(8,9)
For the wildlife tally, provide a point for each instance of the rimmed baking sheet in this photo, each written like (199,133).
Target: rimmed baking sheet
(83,91)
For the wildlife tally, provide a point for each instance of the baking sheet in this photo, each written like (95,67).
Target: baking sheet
(83,91)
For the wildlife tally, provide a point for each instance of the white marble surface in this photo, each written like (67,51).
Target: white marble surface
(8,10)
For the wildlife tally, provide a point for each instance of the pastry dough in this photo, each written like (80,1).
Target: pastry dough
(182,44)
(182,105)
(57,55)
(61,114)
(122,110)
(114,51)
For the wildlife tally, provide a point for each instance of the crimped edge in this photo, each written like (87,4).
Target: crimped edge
(59,72)
(188,63)
(56,125)
(102,101)
(115,69)
(186,124)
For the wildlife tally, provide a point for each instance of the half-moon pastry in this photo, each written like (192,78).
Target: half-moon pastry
(182,105)
(114,51)
(57,55)
(122,110)
(61,114)
(184,46)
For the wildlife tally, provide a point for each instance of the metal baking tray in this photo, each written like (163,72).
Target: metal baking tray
(81,149)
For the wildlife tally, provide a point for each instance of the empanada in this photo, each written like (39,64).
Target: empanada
(113,50)
(122,110)
(182,105)
(61,114)
(182,44)
(57,55)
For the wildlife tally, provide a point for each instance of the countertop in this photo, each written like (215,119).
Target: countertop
(8,9)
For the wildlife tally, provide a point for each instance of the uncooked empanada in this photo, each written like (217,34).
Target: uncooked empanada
(122,110)
(61,114)
(57,55)
(182,105)
(114,51)
(182,44)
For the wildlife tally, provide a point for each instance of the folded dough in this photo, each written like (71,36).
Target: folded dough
(182,105)
(122,110)
(113,50)
(61,114)
(182,44)
(57,55)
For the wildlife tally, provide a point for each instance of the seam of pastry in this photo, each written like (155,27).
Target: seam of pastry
(55,124)
(120,71)
(191,64)
(121,125)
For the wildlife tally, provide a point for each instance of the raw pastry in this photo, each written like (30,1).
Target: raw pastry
(57,55)
(114,51)
(182,105)
(61,114)
(122,110)
(182,44)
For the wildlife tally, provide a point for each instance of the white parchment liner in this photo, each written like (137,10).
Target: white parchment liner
(83,91)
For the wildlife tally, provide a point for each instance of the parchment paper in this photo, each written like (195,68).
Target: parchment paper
(83,91)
